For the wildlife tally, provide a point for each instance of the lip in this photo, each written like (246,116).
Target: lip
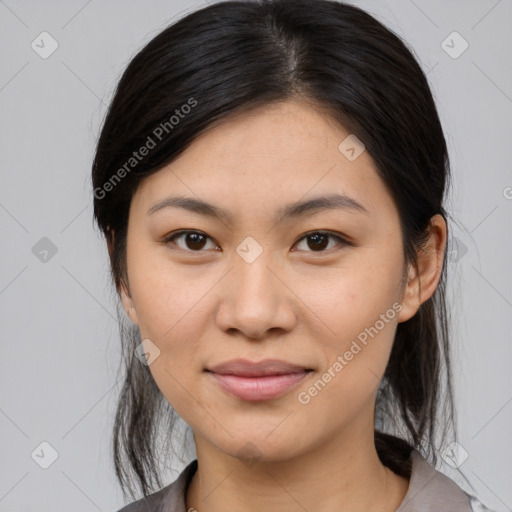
(256,381)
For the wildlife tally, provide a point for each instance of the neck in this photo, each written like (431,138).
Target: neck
(344,473)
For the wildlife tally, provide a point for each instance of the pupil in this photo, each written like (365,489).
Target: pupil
(318,244)
(192,238)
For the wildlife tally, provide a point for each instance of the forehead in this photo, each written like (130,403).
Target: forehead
(259,160)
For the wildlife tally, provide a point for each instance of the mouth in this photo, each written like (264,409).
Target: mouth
(264,380)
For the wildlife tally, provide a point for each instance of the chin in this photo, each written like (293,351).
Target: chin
(251,448)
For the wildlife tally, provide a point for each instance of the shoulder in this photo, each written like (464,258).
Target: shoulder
(152,503)
(433,491)
(478,506)
(170,498)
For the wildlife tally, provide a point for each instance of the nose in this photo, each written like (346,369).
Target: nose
(256,299)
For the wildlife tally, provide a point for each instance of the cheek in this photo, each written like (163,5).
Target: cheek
(166,296)
(348,301)
(171,314)
(358,310)
(354,361)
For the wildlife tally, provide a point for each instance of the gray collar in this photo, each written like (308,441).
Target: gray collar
(429,491)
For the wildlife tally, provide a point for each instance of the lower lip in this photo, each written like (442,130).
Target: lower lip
(258,388)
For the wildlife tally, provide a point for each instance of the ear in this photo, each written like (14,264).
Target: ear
(128,304)
(124,292)
(422,282)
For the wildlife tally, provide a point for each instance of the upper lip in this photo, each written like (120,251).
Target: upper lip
(246,368)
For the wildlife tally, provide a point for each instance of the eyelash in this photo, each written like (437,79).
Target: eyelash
(341,241)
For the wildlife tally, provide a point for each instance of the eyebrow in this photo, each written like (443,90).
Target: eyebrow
(297,209)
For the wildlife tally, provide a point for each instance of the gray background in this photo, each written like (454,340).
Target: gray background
(59,334)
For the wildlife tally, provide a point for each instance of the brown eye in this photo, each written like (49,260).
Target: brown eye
(318,241)
(192,241)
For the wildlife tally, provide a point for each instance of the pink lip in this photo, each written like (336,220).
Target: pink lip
(257,381)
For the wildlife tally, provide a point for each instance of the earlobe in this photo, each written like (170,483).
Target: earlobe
(410,301)
(126,300)
(422,282)
(128,305)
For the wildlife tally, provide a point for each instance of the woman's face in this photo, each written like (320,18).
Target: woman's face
(257,284)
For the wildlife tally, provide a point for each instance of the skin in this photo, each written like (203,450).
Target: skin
(202,304)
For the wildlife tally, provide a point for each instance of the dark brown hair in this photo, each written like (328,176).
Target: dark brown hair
(233,56)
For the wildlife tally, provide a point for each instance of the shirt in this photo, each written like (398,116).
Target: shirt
(429,491)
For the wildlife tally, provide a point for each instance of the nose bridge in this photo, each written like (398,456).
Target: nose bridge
(252,270)
(257,300)
(255,283)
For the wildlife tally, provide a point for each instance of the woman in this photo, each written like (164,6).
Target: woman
(270,180)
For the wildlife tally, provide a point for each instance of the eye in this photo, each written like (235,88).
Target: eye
(193,241)
(318,241)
